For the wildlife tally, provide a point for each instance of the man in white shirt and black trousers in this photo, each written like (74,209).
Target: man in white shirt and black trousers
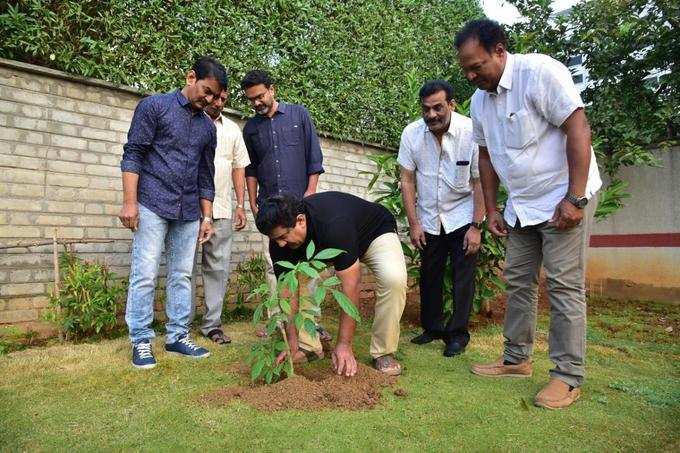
(534,137)
(439,163)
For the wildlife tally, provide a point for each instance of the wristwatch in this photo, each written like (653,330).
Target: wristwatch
(579,202)
(478,225)
(239,206)
(207,219)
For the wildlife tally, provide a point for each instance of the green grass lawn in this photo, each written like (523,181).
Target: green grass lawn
(87,397)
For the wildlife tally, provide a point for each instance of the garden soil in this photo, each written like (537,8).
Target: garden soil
(313,388)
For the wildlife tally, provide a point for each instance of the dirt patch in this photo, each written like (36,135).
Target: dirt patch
(313,388)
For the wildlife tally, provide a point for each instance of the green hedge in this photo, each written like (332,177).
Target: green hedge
(347,61)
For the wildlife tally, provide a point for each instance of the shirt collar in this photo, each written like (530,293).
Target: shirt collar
(452,127)
(183,101)
(281,107)
(506,78)
(219,119)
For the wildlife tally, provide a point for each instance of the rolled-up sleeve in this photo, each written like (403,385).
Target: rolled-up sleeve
(140,137)
(314,156)
(206,168)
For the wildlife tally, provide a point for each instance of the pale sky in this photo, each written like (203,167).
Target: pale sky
(505,13)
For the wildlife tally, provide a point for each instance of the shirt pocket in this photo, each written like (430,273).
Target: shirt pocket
(519,130)
(292,135)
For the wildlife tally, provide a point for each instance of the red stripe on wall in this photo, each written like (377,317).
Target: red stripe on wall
(636,240)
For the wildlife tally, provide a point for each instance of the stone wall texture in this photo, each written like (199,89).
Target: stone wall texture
(61,141)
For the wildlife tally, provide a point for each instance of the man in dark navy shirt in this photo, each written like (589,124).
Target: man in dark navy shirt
(285,158)
(168,170)
(367,233)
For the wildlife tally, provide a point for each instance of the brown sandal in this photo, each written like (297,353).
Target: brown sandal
(218,337)
(387,364)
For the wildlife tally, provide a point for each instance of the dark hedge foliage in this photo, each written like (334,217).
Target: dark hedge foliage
(347,61)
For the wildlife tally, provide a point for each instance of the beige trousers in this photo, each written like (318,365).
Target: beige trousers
(385,259)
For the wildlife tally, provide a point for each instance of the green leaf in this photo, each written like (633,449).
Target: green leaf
(319,295)
(280,346)
(286,264)
(319,265)
(256,370)
(291,282)
(299,320)
(331,281)
(285,306)
(327,254)
(308,270)
(310,250)
(310,327)
(346,305)
(257,314)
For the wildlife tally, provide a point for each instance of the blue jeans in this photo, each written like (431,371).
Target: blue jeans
(180,239)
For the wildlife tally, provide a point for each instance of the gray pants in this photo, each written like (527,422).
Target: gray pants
(563,255)
(215,261)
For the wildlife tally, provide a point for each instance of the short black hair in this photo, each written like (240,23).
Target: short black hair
(278,211)
(433,86)
(256,77)
(487,31)
(206,67)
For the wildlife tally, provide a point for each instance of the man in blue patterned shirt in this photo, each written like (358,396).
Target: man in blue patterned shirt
(168,170)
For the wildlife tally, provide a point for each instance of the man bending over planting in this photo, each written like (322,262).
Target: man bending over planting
(366,232)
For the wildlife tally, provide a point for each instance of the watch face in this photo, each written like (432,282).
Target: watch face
(582,202)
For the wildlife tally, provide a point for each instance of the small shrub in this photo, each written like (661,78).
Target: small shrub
(249,275)
(263,355)
(88,299)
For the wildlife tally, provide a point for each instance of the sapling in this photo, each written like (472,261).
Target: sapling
(263,355)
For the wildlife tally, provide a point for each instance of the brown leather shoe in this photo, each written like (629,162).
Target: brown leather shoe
(556,395)
(497,369)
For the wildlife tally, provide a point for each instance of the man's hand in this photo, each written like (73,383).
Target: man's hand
(239,218)
(129,216)
(253,209)
(472,241)
(496,223)
(417,236)
(343,360)
(566,215)
(298,357)
(205,232)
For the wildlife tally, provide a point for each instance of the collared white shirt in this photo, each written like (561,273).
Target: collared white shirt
(443,173)
(230,153)
(520,126)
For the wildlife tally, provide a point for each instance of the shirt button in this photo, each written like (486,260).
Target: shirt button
(274,132)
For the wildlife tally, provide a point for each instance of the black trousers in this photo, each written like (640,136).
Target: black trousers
(433,266)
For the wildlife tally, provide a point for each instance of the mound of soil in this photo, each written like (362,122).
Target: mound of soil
(313,388)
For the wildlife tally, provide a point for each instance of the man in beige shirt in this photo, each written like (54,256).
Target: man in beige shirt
(231,158)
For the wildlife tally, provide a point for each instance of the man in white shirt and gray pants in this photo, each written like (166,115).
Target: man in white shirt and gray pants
(534,137)
(231,159)
(439,162)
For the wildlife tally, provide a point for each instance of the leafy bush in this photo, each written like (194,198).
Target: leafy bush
(345,60)
(249,275)
(88,300)
(263,355)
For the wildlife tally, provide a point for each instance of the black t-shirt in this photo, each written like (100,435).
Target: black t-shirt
(341,221)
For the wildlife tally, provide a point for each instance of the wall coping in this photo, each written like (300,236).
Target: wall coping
(57,74)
